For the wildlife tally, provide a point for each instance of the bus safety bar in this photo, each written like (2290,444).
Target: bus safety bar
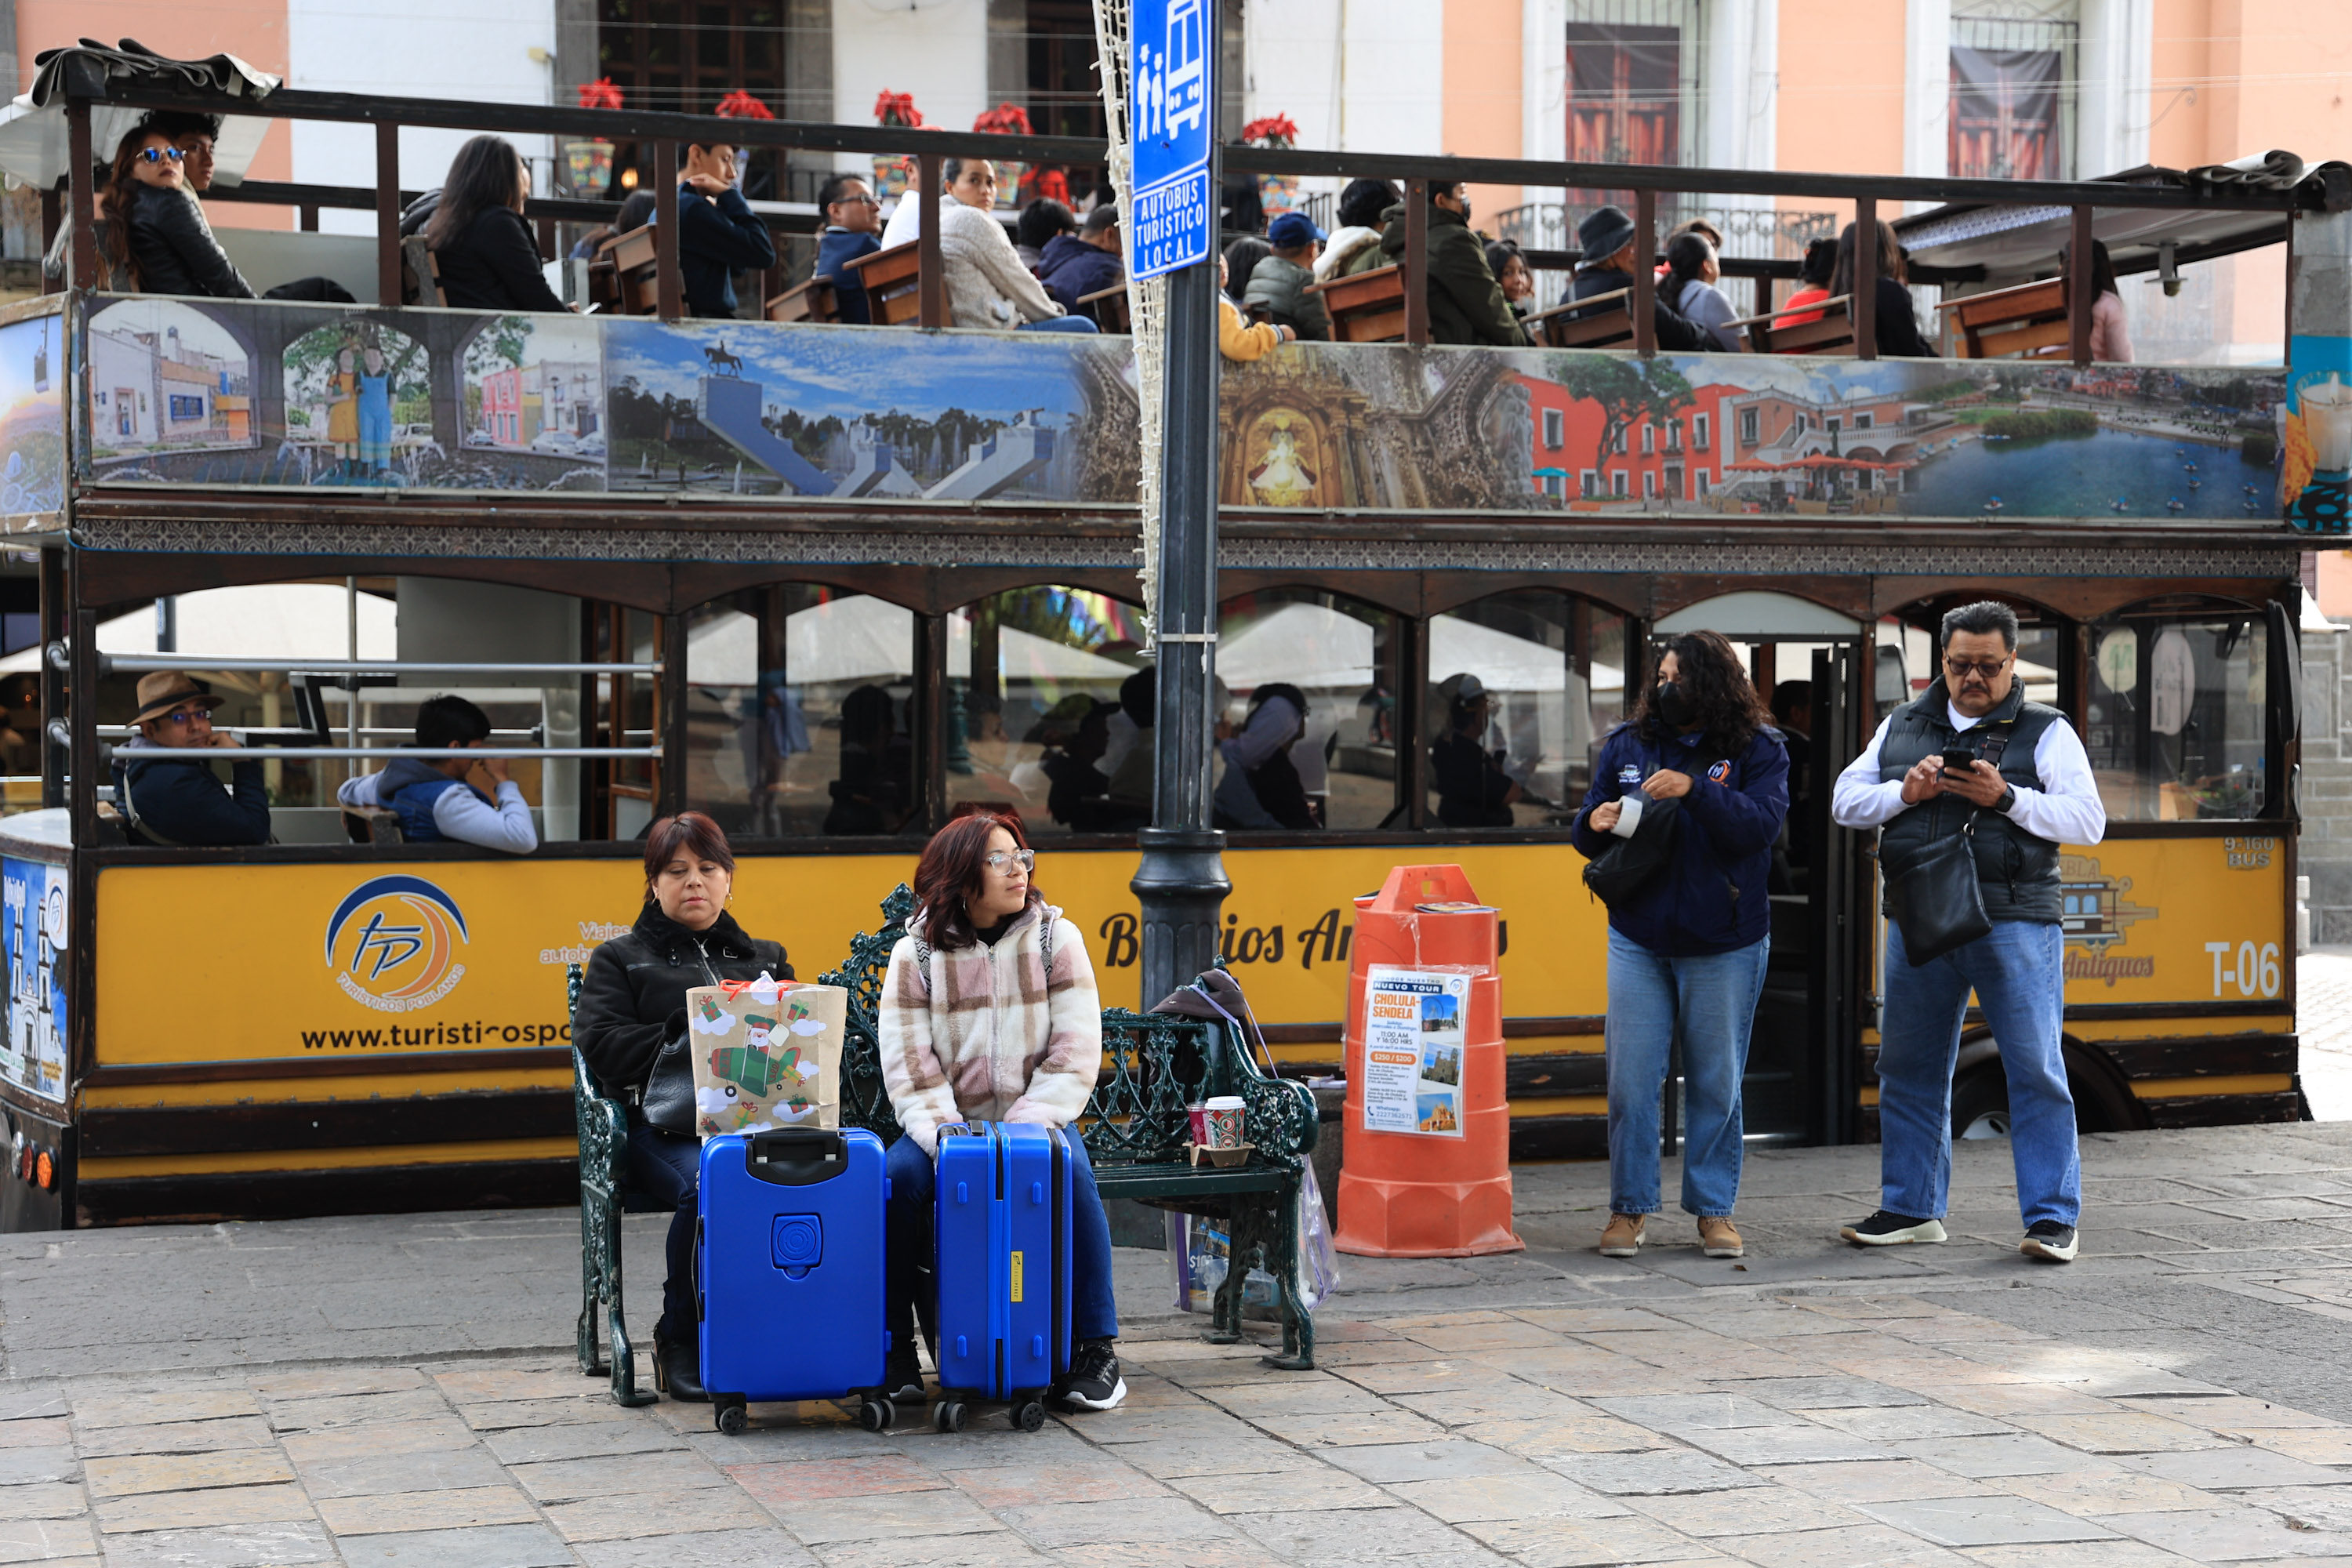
(60,736)
(149,664)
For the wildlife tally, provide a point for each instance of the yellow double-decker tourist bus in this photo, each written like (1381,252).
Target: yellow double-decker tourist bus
(827,583)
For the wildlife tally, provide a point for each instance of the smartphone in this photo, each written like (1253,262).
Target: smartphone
(1958,761)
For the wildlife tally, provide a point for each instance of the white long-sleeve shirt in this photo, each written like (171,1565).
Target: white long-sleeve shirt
(462,816)
(2066,809)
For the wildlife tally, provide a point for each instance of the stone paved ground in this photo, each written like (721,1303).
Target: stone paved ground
(396,1391)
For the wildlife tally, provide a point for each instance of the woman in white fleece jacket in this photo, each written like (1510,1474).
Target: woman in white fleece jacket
(987,285)
(989,1013)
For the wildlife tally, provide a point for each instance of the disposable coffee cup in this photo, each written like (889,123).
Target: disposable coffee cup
(1199,1117)
(1224,1118)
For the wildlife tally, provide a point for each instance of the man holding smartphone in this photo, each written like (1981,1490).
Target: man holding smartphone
(1973,756)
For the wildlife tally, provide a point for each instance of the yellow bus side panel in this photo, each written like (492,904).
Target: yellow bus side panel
(326,1159)
(342,961)
(2176,920)
(359,1085)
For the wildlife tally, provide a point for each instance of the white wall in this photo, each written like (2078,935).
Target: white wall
(1293,58)
(936,50)
(2111,121)
(1392,70)
(478,50)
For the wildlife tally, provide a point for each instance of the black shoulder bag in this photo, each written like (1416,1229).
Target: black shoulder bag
(1937,903)
(1627,866)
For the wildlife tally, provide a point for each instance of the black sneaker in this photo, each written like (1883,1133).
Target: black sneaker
(902,1377)
(1094,1383)
(1885,1229)
(2049,1241)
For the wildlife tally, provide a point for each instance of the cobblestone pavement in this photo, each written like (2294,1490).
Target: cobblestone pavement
(398,1390)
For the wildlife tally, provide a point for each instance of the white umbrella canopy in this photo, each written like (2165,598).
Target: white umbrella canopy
(865,638)
(33,141)
(1309,645)
(1501,661)
(293,621)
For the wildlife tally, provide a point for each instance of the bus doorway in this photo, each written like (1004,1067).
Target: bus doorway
(1808,663)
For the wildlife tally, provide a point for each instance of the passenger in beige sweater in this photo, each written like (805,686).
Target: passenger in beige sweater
(986,284)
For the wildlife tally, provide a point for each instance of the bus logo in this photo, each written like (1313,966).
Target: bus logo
(393,944)
(2092,910)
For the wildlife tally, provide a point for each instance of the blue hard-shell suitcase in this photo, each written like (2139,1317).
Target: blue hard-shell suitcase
(788,1275)
(1003,1269)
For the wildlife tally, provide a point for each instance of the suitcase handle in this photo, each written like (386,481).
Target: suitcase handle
(796,1156)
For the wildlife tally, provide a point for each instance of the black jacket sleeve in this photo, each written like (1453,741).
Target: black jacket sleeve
(503,245)
(619,1046)
(1898,323)
(181,226)
(187,805)
(723,228)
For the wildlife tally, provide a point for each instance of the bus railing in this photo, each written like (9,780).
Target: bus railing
(60,735)
(61,654)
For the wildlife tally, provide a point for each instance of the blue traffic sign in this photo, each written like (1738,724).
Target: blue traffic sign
(1171,72)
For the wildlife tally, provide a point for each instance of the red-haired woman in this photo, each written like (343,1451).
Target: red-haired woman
(633,1007)
(989,1013)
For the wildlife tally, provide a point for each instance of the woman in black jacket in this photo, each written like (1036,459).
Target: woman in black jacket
(632,1004)
(487,257)
(1898,327)
(171,247)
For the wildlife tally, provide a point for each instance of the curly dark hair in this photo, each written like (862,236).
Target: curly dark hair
(1708,668)
(950,872)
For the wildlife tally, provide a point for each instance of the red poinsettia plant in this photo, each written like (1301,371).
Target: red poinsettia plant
(1272,130)
(600,94)
(741,105)
(1004,120)
(897,109)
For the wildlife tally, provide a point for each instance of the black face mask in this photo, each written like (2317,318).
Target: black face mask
(1673,705)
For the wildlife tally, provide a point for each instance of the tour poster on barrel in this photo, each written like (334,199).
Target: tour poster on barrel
(1413,1021)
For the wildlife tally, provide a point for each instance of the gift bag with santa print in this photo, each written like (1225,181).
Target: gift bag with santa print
(767,1054)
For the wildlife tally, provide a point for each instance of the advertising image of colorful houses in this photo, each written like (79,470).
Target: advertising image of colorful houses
(536,384)
(166,378)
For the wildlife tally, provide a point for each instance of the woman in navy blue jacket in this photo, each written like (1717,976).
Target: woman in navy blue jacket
(1687,953)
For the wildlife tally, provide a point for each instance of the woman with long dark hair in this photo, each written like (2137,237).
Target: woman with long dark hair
(633,1005)
(1691,273)
(1686,951)
(989,1013)
(158,224)
(485,252)
(1898,327)
(2110,339)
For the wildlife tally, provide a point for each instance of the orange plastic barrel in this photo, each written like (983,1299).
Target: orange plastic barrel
(1411,1196)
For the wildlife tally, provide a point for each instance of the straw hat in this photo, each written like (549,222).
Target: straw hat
(168,688)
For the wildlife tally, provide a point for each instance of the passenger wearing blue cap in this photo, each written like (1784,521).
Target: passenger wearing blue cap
(1280,282)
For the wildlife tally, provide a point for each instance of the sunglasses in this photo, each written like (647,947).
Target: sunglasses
(157,154)
(1961,667)
(997,860)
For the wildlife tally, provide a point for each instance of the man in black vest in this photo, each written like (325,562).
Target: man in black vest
(2027,789)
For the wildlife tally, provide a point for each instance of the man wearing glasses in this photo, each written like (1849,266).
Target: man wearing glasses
(176,801)
(2026,789)
(853,226)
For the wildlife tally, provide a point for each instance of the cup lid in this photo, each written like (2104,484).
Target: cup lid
(1223,1103)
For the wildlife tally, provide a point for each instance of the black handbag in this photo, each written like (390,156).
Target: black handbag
(667,1098)
(1628,865)
(1937,903)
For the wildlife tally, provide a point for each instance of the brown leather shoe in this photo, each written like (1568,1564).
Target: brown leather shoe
(1624,1237)
(1719,1237)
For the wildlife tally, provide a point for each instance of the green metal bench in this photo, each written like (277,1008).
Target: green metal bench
(1135,1129)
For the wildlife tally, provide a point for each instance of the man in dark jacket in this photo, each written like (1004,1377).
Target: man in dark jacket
(169,800)
(1610,258)
(1280,282)
(1077,265)
(717,236)
(1465,303)
(853,228)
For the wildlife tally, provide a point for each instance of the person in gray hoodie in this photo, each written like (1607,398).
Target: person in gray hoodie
(436,798)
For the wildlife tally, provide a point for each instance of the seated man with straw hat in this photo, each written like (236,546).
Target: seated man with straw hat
(180,801)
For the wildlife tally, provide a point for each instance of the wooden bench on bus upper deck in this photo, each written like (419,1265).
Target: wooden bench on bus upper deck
(1595,322)
(811,302)
(1135,1129)
(1110,308)
(622,278)
(2029,321)
(1365,307)
(1832,333)
(893,282)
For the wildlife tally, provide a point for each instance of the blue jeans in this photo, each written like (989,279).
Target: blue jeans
(1094,1313)
(1710,1004)
(666,1169)
(2017,973)
(1060,324)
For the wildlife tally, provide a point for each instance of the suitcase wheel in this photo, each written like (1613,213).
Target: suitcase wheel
(1029,1414)
(948,1415)
(877,1415)
(732,1418)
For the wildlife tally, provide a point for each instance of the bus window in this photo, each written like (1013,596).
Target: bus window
(1036,719)
(1914,631)
(1511,720)
(1341,656)
(799,712)
(2176,713)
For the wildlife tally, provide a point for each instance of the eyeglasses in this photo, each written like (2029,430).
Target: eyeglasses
(996,860)
(859,201)
(157,154)
(1960,668)
(186,715)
